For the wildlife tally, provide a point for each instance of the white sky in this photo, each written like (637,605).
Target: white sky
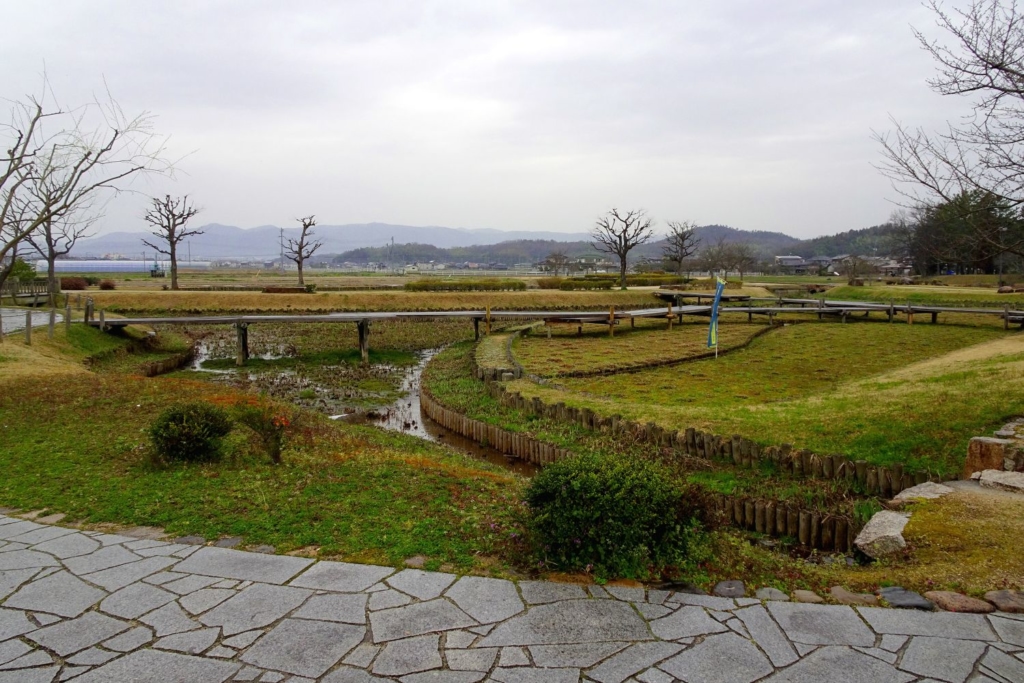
(509,115)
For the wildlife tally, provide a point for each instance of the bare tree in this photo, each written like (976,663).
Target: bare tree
(299,250)
(76,154)
(741,257)
(619,232)
(680,244)
(169,216)
(985,152)
(55,238)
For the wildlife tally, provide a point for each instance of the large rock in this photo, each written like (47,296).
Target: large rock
(1007,481)
(957,602)
(1007,600)
(926,491)
(883,534)
(988,453)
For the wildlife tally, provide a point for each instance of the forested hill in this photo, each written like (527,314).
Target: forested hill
(878,240)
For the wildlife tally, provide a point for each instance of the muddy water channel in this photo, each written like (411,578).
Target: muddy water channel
(318,369)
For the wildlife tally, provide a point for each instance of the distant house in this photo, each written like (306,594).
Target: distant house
(796,265)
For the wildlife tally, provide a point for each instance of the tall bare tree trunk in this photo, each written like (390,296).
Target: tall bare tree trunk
(301,282)
(622,272)
(52,284)
(174,265)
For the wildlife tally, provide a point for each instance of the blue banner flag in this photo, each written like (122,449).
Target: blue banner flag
(713,328)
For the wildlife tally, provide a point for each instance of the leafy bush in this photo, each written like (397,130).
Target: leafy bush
(586,283)
(461,285)
(22,271)
(268,423)
(550,282)
(108,284)
(73,283)
(618,516)
(92,280)
(189,432)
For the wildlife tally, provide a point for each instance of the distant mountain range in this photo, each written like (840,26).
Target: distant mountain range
(227,241)
(367,243)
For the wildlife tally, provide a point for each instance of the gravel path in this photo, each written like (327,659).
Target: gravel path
(96,607)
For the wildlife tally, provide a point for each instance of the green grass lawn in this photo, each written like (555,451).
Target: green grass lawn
(649,342)
(832,388)
(927,296)
(77,445)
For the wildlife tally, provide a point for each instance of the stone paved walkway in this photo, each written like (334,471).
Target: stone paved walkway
(94,607)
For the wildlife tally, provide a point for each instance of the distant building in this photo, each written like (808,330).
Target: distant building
(792,264)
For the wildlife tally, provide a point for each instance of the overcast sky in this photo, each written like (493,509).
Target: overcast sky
(508,115)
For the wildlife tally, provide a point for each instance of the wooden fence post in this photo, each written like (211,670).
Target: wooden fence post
(51,323)
(67,320)
(28,328)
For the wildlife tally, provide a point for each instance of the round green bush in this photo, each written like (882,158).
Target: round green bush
(615,516)
(190,432)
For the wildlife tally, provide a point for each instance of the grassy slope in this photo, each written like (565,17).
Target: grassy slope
(74,442)
(825,387)
(925,295)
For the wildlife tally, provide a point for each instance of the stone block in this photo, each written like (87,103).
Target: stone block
(1006,481)
(986,453)
(957,602)
(1007,600)
(883,534)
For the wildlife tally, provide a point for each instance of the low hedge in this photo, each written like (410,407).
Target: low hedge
(73,283)
(460,285)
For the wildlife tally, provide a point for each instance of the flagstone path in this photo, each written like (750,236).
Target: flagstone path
(95,607)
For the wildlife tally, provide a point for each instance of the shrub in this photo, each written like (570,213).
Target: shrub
(268,423)
(108,284)
(190,432)
(73,283)
(617,516)
(464,285)
(92,279)
(550,282)
(586,283)
(22,271)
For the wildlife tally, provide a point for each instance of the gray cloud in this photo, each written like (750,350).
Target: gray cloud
(513,115)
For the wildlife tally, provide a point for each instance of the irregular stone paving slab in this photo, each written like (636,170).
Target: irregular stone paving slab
(41,535)
(725,657)
(304,648)
(417,619)
(205,599)
(8,531)
(73,635)
(256,606)
(513,656)
(1009,630)
(708,601)
(996,663)
(458,639)
(632,660)
(132,640)
(169,619)
(346,608)
(942,658)
(822,624)
(59,593)
(29,675)
(73,545)
(653,675)
(342,577)
(841,665)
(12,649)
(190,642)
(652,612)
(11,580)
(401,657)
(362,656)
(580,655)
(539,592)
(386,599)
(940,624)
(189,583)
(441,677)
(479,659)
(105,558)
(687,622)
(348,674)
(766,633)
(421,584)
(25,559)
(571,621)
(243,640)
(531,675)
(486,600)
(135,600)
(232,564)
(154,666)
(91,657)
(33,658)
(627,593)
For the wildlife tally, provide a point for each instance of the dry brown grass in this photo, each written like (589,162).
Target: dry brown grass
(161,303)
